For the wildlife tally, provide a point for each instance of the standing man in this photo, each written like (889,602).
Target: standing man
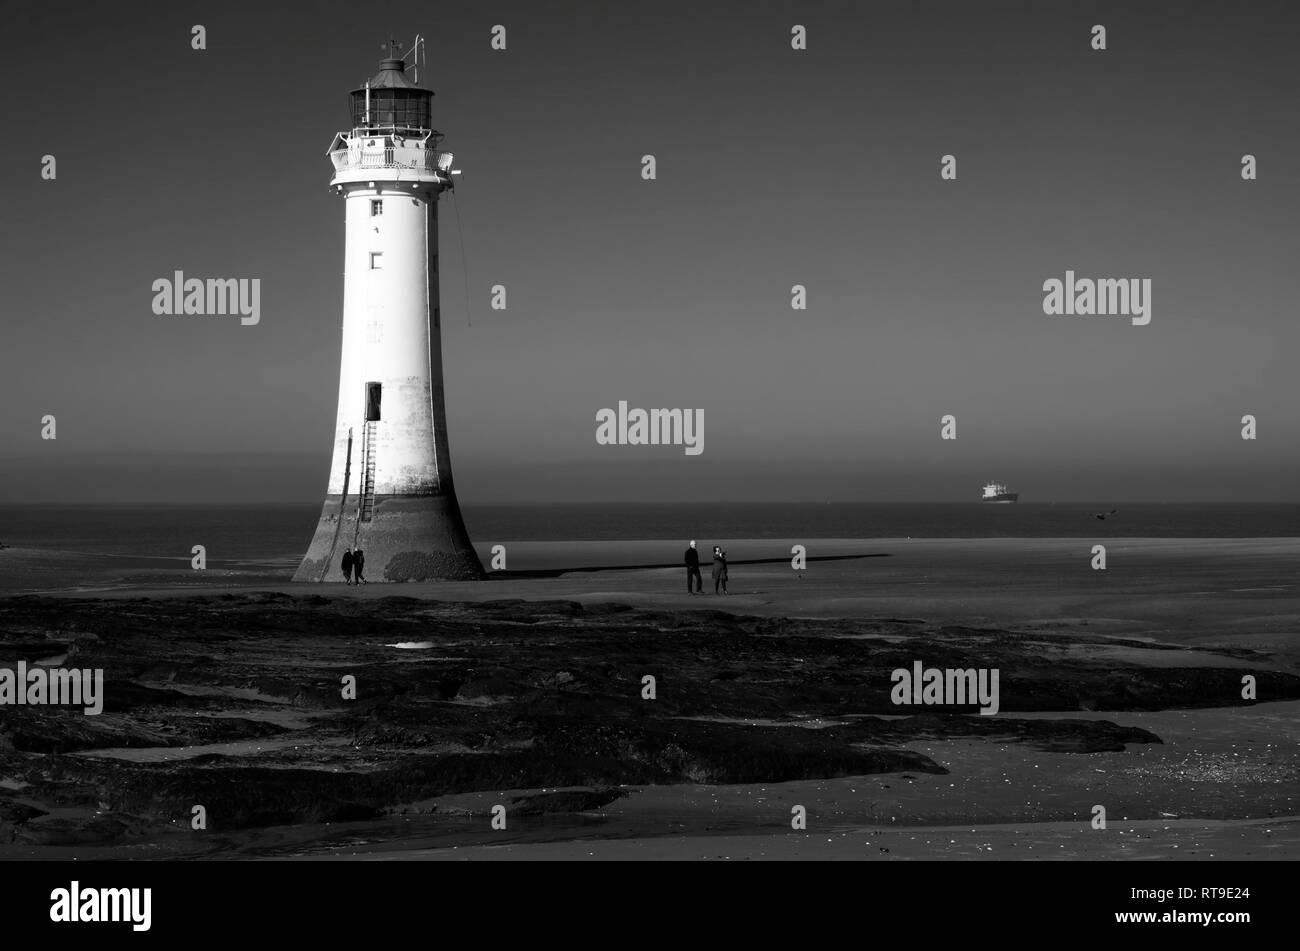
(693,571)
(358,563)
(347,565)
(719,570)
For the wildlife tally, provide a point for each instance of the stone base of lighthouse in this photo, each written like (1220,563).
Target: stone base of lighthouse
(407,538)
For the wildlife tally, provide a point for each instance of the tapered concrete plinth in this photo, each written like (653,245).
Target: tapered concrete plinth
(409,538)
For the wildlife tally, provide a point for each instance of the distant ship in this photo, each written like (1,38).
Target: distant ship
(998,493)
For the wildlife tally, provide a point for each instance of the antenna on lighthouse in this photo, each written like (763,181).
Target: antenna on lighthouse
(417,48)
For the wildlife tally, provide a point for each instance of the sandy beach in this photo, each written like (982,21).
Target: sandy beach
(1243,590)
(1120,688)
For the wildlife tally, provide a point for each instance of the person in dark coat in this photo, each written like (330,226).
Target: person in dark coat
(693,571)
(347,565)
(719,570)
(358,563)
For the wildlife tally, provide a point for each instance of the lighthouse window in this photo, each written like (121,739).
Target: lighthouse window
(376,260)
(376,207)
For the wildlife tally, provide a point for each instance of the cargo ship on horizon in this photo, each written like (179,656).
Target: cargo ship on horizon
(998,493)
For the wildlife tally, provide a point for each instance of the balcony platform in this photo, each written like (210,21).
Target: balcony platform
(391,164)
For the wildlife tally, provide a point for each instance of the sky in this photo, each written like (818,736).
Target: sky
(775,167)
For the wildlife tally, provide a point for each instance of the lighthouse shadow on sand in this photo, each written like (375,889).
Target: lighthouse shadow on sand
(507,574)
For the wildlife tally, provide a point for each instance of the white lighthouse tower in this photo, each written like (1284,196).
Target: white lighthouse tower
(390,490)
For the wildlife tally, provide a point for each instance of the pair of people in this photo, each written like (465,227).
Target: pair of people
(694,582)
(354,562)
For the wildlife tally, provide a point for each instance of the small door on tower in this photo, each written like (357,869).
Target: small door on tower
(373,393)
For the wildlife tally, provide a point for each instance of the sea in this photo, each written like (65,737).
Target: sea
(272,538)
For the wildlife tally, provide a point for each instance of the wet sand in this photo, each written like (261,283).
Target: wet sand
(1268,840)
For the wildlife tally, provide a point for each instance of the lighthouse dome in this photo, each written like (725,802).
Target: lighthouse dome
(392,102)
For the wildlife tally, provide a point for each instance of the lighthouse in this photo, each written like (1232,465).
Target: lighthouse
(390,490)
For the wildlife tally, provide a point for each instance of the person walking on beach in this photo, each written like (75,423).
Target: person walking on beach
(693,571)
(358,562)
(347,565)
(719,569)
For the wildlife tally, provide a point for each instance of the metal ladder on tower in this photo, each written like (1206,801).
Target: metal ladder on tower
(366,504)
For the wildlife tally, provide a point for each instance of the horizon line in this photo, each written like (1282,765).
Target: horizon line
(144,503)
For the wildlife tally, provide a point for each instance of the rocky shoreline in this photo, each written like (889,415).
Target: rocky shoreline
(235,703)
